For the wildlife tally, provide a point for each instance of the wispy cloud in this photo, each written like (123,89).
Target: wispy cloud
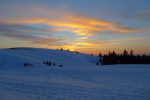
(59,21)
(27,33)
(145,15)
(80,25)
(99,44)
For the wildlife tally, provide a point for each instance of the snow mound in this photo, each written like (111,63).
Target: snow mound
(36,56)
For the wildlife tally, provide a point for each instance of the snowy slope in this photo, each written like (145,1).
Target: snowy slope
(78,79)
(17,57)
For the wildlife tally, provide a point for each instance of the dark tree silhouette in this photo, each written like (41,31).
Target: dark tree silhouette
(125,58)
(68,50)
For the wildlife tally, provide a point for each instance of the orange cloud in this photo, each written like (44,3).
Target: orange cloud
(80,45)
(100,44)
(80,25)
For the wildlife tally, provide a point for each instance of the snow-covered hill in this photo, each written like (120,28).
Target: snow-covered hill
(15,58)
(79,78)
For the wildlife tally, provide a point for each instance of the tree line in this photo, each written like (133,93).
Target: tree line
(124,58)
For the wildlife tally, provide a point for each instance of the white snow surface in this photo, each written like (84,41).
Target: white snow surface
(79,78)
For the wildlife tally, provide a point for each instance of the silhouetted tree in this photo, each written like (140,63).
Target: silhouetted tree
(100,55)
(125,53)
(68,50)
(100,58)
(125,58)
(131,53)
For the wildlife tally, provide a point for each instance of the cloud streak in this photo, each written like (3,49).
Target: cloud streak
(27,33)
(74,23)
(58,21)
(145,15)
(80,25)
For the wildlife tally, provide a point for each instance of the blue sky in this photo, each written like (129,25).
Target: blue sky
(89,26)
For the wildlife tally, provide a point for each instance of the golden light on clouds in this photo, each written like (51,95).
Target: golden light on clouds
(76,24)
(58,25)
(82,26)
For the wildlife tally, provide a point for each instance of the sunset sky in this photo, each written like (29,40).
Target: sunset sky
(89,26)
